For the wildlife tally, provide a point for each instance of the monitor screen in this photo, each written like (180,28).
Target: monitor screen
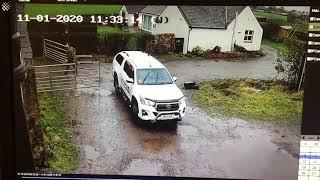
(165,90)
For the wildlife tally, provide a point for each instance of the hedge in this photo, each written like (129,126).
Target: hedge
(120,41)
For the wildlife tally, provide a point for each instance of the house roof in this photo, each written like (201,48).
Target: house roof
(134,8)
(153,10)
(210,16)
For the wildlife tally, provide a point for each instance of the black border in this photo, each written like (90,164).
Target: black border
(7,157)
(190,2)
(6,127)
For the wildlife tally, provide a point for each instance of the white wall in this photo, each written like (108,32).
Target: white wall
(176,24)
(247,21)
(128,16)
(210,38)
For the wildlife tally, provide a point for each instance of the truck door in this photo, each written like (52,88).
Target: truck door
(127,79)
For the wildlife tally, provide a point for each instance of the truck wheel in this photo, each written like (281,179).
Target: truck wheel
(116,84)
(135,108)
(174,124)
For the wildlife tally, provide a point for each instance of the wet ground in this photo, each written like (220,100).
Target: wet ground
(202,145)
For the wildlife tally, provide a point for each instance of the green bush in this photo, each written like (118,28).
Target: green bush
(197,51)
(216,49)
(120,41)
(239,48)
(290,63)
(133,43)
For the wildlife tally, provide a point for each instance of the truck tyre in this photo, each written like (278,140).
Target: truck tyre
(116,84)
(174,124)
(135,108)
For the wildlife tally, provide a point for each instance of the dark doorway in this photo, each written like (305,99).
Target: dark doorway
(135,16)
(179,45)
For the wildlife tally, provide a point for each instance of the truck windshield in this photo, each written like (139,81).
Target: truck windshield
(153,76)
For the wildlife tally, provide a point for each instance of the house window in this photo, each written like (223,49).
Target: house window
(248,36)
(146,22)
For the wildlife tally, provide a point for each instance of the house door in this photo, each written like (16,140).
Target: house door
(179,45)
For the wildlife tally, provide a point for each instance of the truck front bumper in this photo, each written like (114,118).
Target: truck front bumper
(149,113)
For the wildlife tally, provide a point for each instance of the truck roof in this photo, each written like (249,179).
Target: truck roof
(142,60)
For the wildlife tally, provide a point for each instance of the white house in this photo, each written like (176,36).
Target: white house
(131,13)
(147,17)
(205,26)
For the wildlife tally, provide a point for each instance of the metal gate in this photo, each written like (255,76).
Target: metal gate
(56,77)
(65,76)
(88,74)
(55,51)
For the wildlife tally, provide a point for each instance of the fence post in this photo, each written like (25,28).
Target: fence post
(50,79)
(75,76)
(44,48)
(99,74)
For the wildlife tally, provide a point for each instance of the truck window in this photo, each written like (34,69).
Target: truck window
(119,58)
(128,68)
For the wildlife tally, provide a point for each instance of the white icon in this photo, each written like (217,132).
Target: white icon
(5,6)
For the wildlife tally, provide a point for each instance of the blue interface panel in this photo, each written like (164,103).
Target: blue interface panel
(309,160)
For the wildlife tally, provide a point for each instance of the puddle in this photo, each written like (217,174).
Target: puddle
(155,144)
(143,167)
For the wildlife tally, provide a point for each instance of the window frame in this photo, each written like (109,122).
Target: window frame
(148,20)
(247,36)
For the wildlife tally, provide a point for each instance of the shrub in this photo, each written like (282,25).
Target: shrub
(197,51)
(216,49)
(119,41)
(239,48)
(272,31)
(290,63)
(162,44)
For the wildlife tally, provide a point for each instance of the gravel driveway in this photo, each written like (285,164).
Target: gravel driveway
(202,145)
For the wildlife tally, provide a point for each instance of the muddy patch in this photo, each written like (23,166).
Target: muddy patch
(155,144)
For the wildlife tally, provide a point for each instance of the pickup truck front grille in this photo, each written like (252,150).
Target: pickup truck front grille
(168,107)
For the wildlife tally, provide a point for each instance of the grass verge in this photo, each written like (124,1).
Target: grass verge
(301,26)
(281,19)
(251,99)
(275,45)
(62,154)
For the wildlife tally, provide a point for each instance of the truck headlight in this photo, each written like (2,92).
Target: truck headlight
(182,101)
(147,102)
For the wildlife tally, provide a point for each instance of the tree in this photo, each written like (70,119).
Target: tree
(292,16)
(272,8)
(281,9)
(290,63)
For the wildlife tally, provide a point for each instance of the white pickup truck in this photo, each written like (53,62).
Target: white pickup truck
(148,87)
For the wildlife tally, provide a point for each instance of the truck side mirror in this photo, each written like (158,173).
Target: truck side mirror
(175,79)
(129,80)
